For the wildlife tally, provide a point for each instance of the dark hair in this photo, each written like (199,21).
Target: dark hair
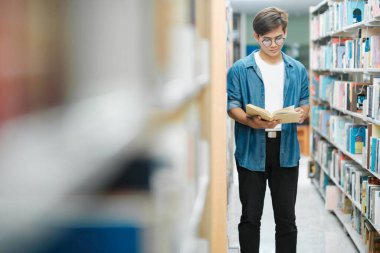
(269,19)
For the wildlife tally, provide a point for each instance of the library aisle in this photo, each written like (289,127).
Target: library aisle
(319,230)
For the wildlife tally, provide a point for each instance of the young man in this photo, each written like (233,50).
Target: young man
(266,150)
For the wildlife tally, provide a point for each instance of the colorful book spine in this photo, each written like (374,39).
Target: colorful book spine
(376,216)
(356,139)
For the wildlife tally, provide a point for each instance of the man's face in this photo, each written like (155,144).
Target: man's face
(272,42)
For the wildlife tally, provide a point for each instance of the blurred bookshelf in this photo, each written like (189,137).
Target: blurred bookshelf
(110,132)
(236,34)
(344,91)
(230,123)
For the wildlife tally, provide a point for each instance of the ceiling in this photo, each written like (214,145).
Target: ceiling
(298,7)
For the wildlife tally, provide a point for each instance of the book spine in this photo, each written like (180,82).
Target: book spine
(377,209)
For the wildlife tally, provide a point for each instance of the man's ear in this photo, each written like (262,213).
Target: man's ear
(286,32)
(256,36)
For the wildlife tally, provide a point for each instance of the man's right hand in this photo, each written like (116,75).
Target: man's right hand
(257,122)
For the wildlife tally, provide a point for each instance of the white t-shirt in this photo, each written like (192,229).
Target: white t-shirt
(273,77)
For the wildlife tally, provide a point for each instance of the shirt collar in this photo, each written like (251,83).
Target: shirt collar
(251,62)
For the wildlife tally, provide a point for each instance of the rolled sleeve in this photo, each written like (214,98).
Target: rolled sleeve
(304,99)
(234,98)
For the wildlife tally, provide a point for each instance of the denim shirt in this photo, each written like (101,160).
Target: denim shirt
(245,86)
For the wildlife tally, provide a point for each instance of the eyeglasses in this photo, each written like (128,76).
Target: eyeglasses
(268,41)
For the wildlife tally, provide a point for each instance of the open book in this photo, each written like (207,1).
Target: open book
(286,115)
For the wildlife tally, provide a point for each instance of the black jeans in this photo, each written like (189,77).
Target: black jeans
(283,186)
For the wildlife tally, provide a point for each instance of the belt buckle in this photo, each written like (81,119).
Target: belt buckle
(272,134)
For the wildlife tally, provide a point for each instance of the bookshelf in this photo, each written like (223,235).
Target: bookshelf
(336,183)
(343,57)
(355,158)
(132,141)
(230,123)
(345,220)
(319,189)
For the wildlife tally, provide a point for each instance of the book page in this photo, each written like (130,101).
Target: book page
(287,115)
(253,110)
(284,110)
(290,117)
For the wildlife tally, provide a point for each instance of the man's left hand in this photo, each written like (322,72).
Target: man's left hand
(303,114)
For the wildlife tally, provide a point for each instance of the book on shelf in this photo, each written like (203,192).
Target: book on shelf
(355,11)
(366,48)
(367,228)
(366,150)
(286,115)
(339,88)
(337,19)
(375,98)
(365,106)
(341,124)
(323,181)
(357,183)
(341,162)
(347,95)
(356,139)
(324,122)
(314,87)
(374,153)
(374,7)
(349,62)
(350,174)
(370,198)
(332,197)
(370,47)
(356,93)
(334,172)
(374,242)
(376,215)
(326,85)
(337,51)
(349,53)
(355,53)
(368,111)
(346,205)
(327,151)
(360,176)
(371,238)
(356,219)
(367,183)
(337,124)
(346,135)
(364,195)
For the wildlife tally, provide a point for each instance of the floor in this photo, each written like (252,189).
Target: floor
(319,231)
